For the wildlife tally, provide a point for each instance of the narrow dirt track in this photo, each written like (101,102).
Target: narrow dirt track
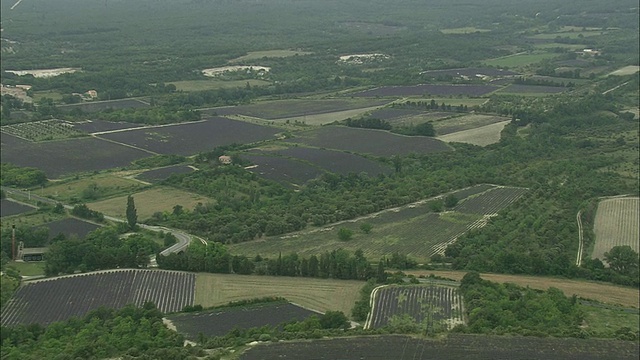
(606,293)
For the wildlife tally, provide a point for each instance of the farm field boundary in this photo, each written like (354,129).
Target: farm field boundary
(616,223)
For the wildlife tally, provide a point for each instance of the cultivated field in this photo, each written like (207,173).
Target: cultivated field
(469,72)
(413,230)
(405,117)
(458,123)
(97,126)
(336,161)
(603,292)
(617,223)
(453,347)
(256,55)
(57,299)
(95,106)
(482,136)
(70,227)
(520,59)
(327,118)
(287,109)
(150,201)
(464,30)
(105,185)
(220,322)
(520,89)
(433,307)
(428,89)
(202,85)
(627,70)
(158,175)
(316,294)
(66,157)
(368,141)
(43,130)
(9,208)
(191,138)
(283,170)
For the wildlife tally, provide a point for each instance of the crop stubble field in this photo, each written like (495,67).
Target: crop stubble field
(481,136)
(57,299)
(317,294)
(413,229)
(434,307)
(616,223)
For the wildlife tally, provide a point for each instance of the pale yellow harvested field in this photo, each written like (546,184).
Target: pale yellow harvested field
(326,118)
(316,294)
(627,70)
(150,201)
(482,136)
(606,293)
(617,223)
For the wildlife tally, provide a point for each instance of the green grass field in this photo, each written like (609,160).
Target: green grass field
(521,59)
(28,268)
(51,94)
(201,85)
(105,185)
(316,294)
(603,321)
(569,34)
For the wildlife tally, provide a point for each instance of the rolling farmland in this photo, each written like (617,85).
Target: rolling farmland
(432,307)
(57,299)
(281,169)
(414,230)
(336,161)
(616,224)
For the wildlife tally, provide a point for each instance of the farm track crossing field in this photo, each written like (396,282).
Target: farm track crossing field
(65,157)
(367,141)
(219,322)
(194,137)
(428,89)
(94,126)
(9,208)
(465,122)
(433,307)
(158,175)
(617,223)
(282,109)
(96,106)
(316,294)
(58,299)
(413,230)
(281,169)
(481,136)
(70,227)
(453,347)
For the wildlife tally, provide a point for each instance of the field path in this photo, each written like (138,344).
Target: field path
(580,239)
(603,292)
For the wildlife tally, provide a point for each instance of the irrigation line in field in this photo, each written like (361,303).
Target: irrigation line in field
(580,239)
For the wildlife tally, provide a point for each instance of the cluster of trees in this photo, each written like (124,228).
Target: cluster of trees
(368,123)
(101,249)
(131,332)
(430,105)
(509,309)
(151,116)
(214,257)
(12,175)
(83,211)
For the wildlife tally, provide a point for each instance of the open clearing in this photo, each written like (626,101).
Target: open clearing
(627,70)
(455,123)
(217,71)
(201,85)
(482,136)
(316,294)
(606,293)
(256,55)
(44,73)
(105,185)
(150,201)
(616,224)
